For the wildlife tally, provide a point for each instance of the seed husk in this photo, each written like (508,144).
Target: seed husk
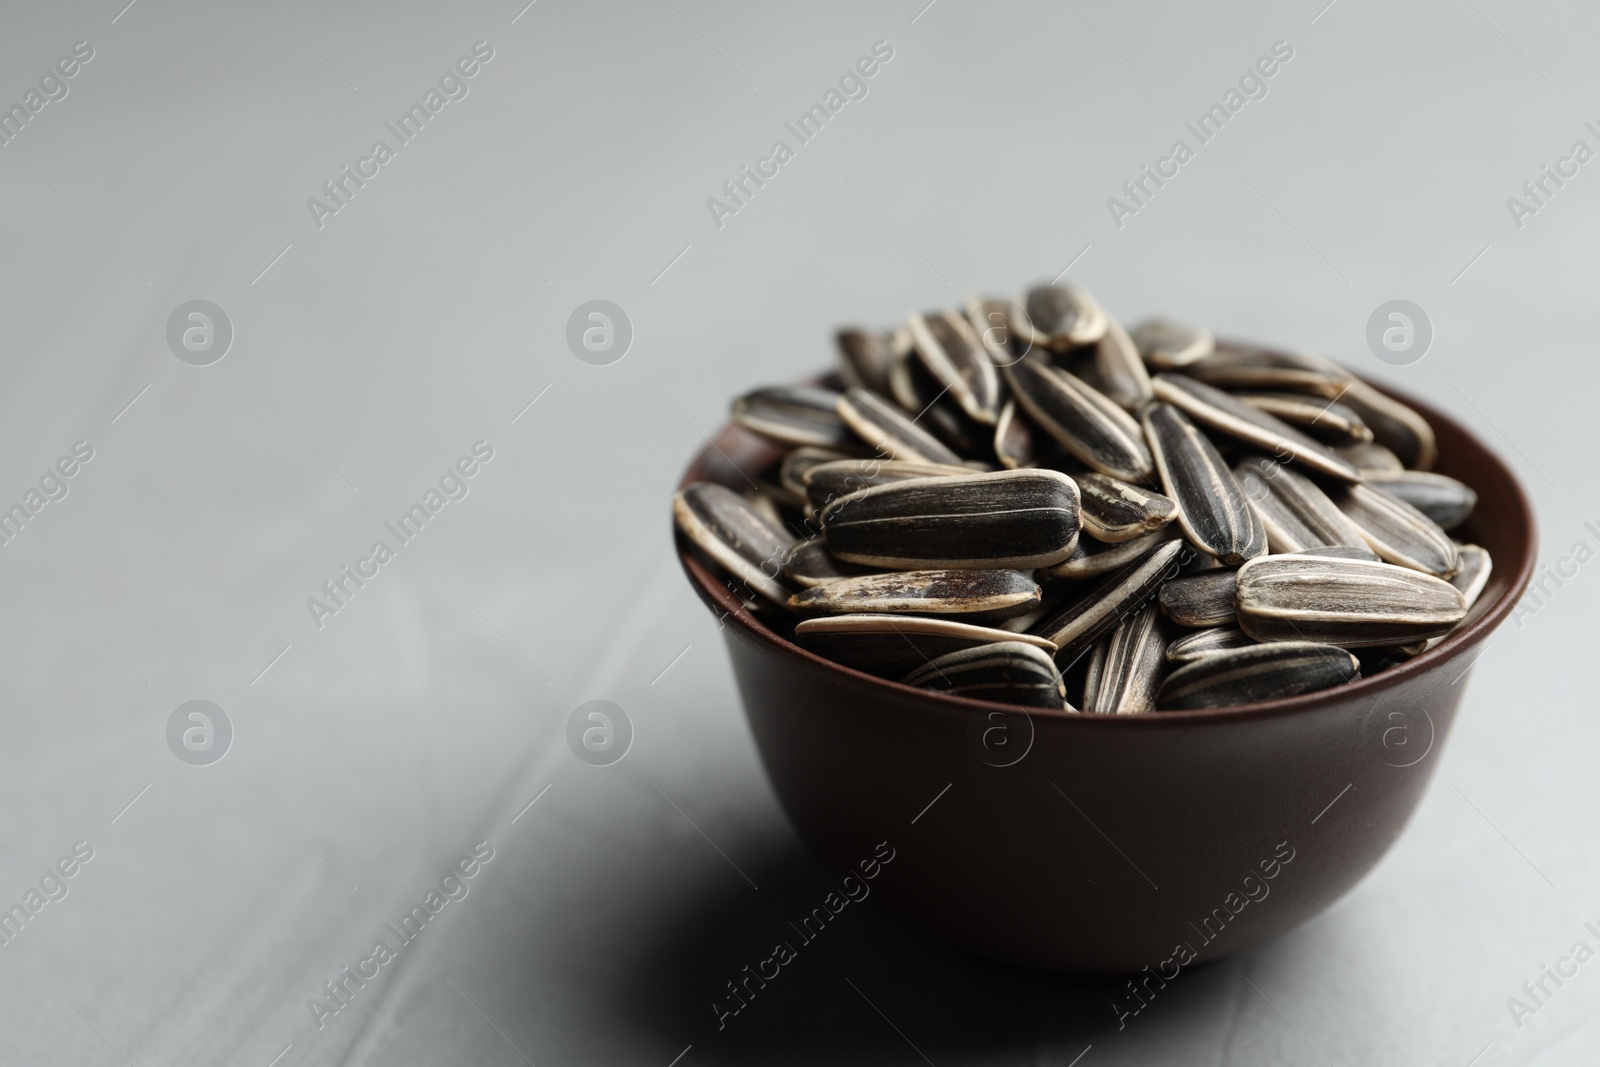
(1474,573)
(1259,672)
(1370,456)
(1236,367)
(976,596)
(1228,414)
(1212,509)
(1014,439)
(1296,513)
(1168,345)
(1200,601)
(1438,496)
(1131,669)
(793,415)
(1009,671)
(1398,532)
(1087,424)
(890,645)
(1091,610)
(1094,670)
(736,536)
(1092,558)
(1360,551)
(798,462)
(1002,519)
(1327,420)
(1062,317)
(952,353)
(1395,426)
(884,428)
(1116,369)
(931,406)
(1002,327)
(827,482)
(865,357)
(765,501)
(1201,642)
(809,563)
(1114,511)
(1347,602)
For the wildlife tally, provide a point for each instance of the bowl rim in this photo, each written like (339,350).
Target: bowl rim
(719,598)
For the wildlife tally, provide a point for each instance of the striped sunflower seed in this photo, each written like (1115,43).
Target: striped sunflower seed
(1202,642)
(1212,509)
(827,482)
(1084,421)
(1092,558)
(1360,551)
(1094,670)
(1131,668)
(1002,327)
(1438,496)
(1003,519)
(890,645)
(1398,532)
(1394,425)
(1228,414)
(1060,317)
(1168,345)
(1370,456)
(1352,603)
(931,406)
(1015,444)
(1114,511)
(865,357)
(1009,671)
(976,596)
(799,462)
(1200,601)
(952,353)
(1089,612)
(723,525)
(793,415)
(1260,370)
(1116,369)
(1327,420)
(1257,673)
(884,428)
(1474,573)
(809,563)
(1295,511)
(765,502)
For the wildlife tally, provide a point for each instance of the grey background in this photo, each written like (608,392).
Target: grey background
(426,315)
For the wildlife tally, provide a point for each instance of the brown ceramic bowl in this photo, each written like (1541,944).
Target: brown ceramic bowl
(1113,842)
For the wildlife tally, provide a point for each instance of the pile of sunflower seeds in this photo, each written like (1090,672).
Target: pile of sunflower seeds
(1023,499)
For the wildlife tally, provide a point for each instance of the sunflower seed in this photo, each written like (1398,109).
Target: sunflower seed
(1093,672)
(865,357)
(1115,368)
(1260,672)
(1394,425)
(1370,456)
(1474,573)
(1360,551)
(1002,327)
(1398,532)
(932,406)
(1114,511)
(764,501)
(724,526)
(1438,496)
(792,414)
(1168,345)
(809,563)
(1004,519)
(1230,415)
(1212,509)
(1327,420)
(1092,559)
(827,482)
(1095,608)
(798,462)
(1348,602)
(893,644)
(891,433)
(977,596)
(1008,671)
(1201,642)
(1239,367)
(1131,669)
(947,346)
(1200,601)
(1060,317)
(1014,439)
(1087,424)
(1296,513)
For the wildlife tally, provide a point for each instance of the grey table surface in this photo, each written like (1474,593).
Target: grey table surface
(375,345)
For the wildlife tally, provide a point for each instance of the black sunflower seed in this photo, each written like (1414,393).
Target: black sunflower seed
(976,596)
(1200,642)
(952,353)
(1092,558)
(810,563)
(1228,414)
(1131,668)
(827,482)
(798,462)
(865,357)
(1062,317)
(1114,511)
(1348,602)
(1116,369)
(737,537)
(1398,532)
(1010,671)
(1091,610)
(1474,572)
(792,414)
(1002,327)
(1438,496)
(1394,425)
(1200,601)
(1328,421)
(1015,443)
(1212,509)
(1259,672)
(890,645)
(1168,345)
(1297,514)
(1239,367)
(1370,456)
(1086,423)
(884,428)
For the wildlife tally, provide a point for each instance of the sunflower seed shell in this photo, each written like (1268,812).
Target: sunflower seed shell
(793,415)
(1347,602)
(1086,423)
(1212,509)
(1114,511)
(1398,532)
(1131,670)
(1009,671)
(1260,672)
(977,596)
(1168,345)
(1438,496)
(1090,611)
(1063,316)
(1229,415)
(1200,642)
(891,645)
(952,353)
(724,526)
(1200,601)
(1297,514)
(1327,420)
(884,428)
